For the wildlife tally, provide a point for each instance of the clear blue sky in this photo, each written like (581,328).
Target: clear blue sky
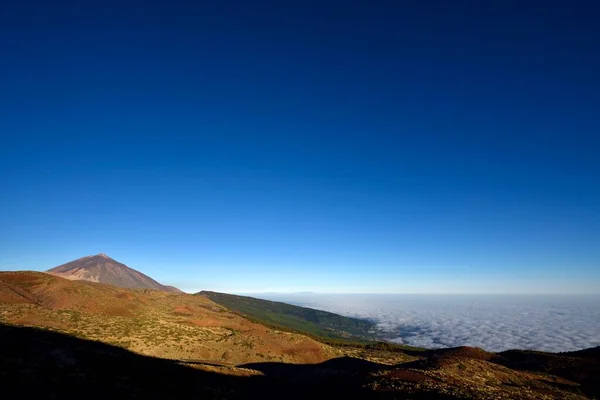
(376,146)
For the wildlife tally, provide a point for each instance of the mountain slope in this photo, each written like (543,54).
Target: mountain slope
(228,356)
(150,322)
(103,269)
(315,322)
(63,366)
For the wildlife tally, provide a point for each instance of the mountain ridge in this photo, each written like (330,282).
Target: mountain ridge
(323,324)
(101,268)
(152,322)
(75,318)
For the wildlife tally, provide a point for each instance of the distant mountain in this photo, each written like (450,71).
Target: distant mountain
(150,322)
(318,323)
(103,269)
(75,338)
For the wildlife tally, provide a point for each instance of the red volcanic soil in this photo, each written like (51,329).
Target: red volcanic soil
(473,353)
(54,293)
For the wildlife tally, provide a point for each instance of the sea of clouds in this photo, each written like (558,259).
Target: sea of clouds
(492,322)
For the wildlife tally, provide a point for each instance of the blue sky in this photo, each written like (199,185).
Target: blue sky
(290,146)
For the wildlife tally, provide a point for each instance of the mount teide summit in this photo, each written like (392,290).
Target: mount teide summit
(103,269)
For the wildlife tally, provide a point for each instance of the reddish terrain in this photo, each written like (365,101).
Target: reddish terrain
(83,329)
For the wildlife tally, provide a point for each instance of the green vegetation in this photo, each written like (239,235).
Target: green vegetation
(329,328)
(298,319)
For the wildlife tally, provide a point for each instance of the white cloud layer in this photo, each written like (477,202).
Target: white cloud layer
(493,322)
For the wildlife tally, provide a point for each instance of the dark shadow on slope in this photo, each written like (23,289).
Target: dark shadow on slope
(41,364)
(558,372)
(584,369)
(592,352)
(326,378)
(337,367)
(582,366)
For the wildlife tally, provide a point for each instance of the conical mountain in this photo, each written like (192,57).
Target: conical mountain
(103,269)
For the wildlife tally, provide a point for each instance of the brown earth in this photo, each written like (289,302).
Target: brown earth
(149,322)
(466,378)
(208,343)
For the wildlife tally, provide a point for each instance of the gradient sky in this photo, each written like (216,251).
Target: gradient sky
(334,146)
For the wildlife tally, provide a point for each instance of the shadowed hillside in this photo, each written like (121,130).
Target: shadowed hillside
(150,322)
(40,364)
(104,341)
(581,366)
(315,322)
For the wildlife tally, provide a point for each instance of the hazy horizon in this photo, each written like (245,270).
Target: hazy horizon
(222,279)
